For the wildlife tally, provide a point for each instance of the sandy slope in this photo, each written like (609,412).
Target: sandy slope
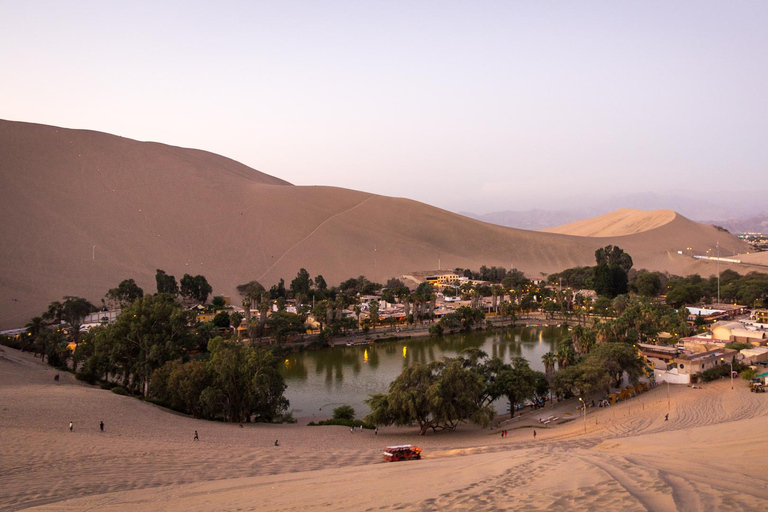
(84,210)
(625,221)
(709,456)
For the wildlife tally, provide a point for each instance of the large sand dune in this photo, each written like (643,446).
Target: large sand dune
(625,221)
(83,210)
(710,455)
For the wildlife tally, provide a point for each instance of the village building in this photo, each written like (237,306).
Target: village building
(737,331)
(759,316)
(693,364)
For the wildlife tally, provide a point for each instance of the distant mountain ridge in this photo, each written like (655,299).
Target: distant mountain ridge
(756,224)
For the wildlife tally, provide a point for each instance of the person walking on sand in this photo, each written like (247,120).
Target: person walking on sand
(101,426)
(534,435)
(666,417)
(197,438)
(71,426)
(276,443)
(376,431)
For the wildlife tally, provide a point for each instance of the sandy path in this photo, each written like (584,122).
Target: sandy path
(709,455)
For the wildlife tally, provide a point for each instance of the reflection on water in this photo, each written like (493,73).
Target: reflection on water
(321,380)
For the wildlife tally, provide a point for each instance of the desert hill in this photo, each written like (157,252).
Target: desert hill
(83,210)
(625,221)
(630,458)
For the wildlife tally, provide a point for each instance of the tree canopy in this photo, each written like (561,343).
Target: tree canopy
(195,288)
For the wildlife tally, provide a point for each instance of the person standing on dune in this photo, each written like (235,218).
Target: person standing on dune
(71,426)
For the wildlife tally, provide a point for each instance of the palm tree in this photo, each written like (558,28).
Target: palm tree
(373,311)
(549,360)
(34,327)
(565,356)
(235,319)
(53,314)
(357,309)
(432,304)
(247,311)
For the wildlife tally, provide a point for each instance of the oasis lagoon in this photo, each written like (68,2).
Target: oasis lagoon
(318,381)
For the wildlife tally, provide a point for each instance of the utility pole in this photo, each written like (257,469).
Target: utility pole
(718,272)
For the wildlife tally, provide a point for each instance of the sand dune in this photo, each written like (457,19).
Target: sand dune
(84,210)
(625,221)
(708,456)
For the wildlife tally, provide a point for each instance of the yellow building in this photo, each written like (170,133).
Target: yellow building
(442,279)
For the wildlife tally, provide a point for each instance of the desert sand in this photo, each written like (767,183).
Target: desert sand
(625,221)
(710,455)
(83,210)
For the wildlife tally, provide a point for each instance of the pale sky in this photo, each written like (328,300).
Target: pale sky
(475,106)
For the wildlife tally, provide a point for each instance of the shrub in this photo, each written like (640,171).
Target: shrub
(10,341)
(748,374)
(87,376)
(344,412)
(286,417)
(119,390)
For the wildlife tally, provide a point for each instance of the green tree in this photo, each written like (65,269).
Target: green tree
(611,273)
(195,288)
(549,360)
(147,334)
(34,327)
(166,283)
(246,382)
(235,319)
(124,294)
(301,284)
(344,412)
(373,312)
(282,324)
(73,311)
(221,320)
(647,284)
(438,395)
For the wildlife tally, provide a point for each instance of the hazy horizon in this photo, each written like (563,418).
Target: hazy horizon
(478,108)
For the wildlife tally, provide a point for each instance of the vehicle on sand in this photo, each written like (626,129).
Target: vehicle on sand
(402,452)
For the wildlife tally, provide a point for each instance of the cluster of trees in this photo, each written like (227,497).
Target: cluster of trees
(50,333)
(236,383)
(749,289)
(155,349)
(609,277)
(192,288)
(443,394)
(613,276)
(464,318)
(596,357)
(153,330)
(310,295)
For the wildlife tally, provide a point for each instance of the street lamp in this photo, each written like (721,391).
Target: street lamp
(585,414)
(723,360)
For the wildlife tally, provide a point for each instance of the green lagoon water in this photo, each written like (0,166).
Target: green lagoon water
(320,380)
